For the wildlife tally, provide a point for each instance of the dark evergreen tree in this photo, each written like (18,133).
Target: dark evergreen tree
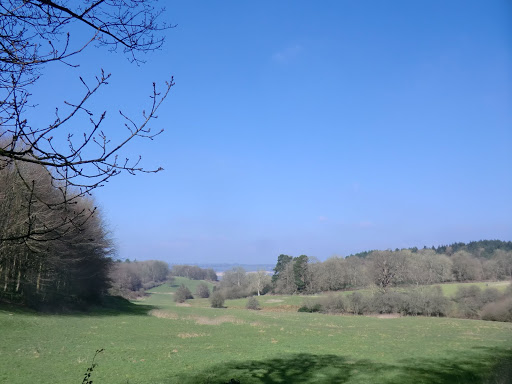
(282,261)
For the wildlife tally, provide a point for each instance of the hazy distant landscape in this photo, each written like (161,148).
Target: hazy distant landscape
(255,192)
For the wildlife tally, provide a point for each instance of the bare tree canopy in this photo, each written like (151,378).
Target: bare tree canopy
(36,33)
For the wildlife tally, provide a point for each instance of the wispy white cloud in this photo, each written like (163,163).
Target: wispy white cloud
(287,54)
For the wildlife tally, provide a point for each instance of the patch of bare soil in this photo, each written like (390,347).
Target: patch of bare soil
(183,305)
(281,308)
(274,301)
(163,314)
(388,316)
(217,320)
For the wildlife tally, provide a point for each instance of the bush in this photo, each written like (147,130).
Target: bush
(469,301)
(424,301)
(253,304)
(387,302)
(203,291)
(508,290)
(498,311)
(182,294)
(359,304)
(235,292)
(217,300)
(435,303)
(310,305)
(334,304)
(490,295)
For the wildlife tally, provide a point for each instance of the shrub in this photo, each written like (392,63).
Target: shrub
(498,311)
(217,300)
(235,292)
(334,304)
(359,304)
(469,301)
(424,301)
(490,295)
(253,303)
(435,303)
(310,305)
(508,290)
(182,294)
(387,302)
(203,291)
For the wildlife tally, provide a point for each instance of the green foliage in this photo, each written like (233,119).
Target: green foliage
(482,248)
(310,305)
(300,271)
(253,303)
(361,255)
(182,294)
(217,300)
(282,261)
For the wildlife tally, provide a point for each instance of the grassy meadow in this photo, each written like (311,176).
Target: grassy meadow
(158,341)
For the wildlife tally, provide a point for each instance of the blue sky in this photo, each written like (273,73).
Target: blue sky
(318,128)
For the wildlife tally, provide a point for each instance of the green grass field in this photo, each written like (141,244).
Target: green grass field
(193,343)
(451,288)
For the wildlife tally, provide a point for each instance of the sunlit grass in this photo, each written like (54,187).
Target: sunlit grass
(451,288)
(196,343)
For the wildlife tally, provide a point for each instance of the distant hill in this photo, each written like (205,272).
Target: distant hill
(222,267)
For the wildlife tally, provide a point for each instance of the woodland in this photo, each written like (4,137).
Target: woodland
(54,246)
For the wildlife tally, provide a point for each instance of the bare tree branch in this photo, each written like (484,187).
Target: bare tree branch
(35,33)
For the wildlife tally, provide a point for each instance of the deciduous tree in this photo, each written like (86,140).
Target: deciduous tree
(37,33)
(387,268)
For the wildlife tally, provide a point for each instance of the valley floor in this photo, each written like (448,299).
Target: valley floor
(158,341)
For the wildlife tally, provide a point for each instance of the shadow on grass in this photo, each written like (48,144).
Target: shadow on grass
(110,306)
(116,305)
(478,366)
